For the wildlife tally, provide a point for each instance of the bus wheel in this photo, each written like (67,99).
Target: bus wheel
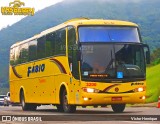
(32,107)
(26,106)
(66,107)
(83,106)
(118,108)
(60,108)
(95,106)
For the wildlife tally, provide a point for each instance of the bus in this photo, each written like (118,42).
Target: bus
(81,62)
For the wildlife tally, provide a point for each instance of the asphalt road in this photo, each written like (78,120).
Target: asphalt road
(49,114)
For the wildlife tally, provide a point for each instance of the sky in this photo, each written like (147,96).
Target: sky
(6,20)
(37,4)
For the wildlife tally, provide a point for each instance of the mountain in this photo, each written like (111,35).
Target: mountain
(143,12)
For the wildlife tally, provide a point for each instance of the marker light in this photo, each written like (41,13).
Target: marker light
(143,97)
(90,90)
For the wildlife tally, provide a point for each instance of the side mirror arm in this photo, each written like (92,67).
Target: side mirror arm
(147,53)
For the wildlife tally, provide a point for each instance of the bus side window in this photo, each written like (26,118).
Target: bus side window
(24,53)
(72,52)
(41,47)
(12,56)
(60,42)
(50,44)
(17,55)
(32,50)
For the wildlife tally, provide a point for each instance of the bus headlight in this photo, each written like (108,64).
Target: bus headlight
(140,89)
(90,90)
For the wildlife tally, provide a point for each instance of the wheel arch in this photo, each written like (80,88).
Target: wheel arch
(62,87)
(20,91)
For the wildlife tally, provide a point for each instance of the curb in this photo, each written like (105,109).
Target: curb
(145,105)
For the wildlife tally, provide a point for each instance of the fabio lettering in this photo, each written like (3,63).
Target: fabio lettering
(36,69)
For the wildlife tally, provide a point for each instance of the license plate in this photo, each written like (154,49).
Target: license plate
(116,98)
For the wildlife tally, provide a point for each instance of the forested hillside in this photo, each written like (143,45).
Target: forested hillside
(146,13)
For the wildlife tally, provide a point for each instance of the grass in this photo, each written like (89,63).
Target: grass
(153,83)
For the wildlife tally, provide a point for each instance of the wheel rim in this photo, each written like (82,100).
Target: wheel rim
(23,103)
(22,100)
(65,101)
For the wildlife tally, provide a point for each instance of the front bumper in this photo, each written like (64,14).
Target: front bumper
(99,99)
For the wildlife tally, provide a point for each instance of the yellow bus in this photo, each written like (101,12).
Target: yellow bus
(82,62)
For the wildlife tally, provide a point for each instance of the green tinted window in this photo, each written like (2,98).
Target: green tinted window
(72,52)
(60,42)
(17,55)
(41,47)
(32,50)
(24,53)
(50,44)
(12,56)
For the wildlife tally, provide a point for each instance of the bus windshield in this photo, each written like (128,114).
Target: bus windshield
(108,34)
(112,61)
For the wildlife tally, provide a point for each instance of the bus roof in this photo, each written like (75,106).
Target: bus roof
(78,22)
(85,21)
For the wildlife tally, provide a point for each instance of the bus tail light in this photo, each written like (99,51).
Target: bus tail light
(90,90)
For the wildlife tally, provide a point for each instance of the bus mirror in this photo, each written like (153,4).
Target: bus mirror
(147,57)
(78,55)
(147,53)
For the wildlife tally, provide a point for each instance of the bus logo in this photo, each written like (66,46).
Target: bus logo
(6,118)
(116,89)
(15,8)
(35,69)
(137,83)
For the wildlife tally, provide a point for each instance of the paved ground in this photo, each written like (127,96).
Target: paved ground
(49,114)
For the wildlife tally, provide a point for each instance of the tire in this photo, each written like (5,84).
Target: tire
(95,106)
(118,108)
(103,106)
(83,106)
(64,106)
(59,108)
(32,107)
(26,106)
(67,108)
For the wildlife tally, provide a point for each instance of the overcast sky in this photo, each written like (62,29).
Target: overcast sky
(37,4)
